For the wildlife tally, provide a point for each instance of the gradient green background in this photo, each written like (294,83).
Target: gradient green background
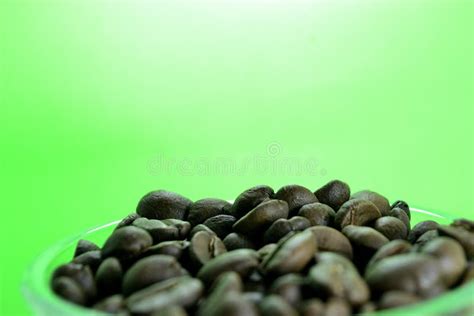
(95,95)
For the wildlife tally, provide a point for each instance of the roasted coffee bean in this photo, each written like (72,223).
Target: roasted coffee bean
(127,221)
(254,298)
(391,227)
(336,276)
(464,237)
(242,261)
(91,258)
(163,204)
(180,291)
(183,227)
(280,228)
(451,258)
(299,223)
(292,254)
(82,275)
(395,247)
(464,224)
(84,246)
(235,241)
(233,304)
(356,212)
(204,247)
(68,289)
(468,273)
(401,215)
(337,307)
(226,283)
(150,270)
(266,250)
(312,307)
(367,308)
(318,214)
(113,304)
(421,228)
(365,242)
(289,287)
(396,299)
(330,239)
(109,277)
(417,274)
(207,208)
(403,206)
(174,248)
(221,224)
(334,193)
(127,242)
(379,201)
(249,199)
(274,305)
(261,217)
(173,310)
(157,229)
(200,228)
(426,237)
(296,196)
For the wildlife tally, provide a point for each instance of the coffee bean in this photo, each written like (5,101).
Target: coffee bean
(150,270)
(82,275)
(379,201)
(401,215)
(391,227)
(233,304)
(356,212)
(249,199)
(451,258)
(204,247)
(91,258)
(113,304)
(163,204)
(242,261)
(330,239)
(318,214)
(337,307)
(200,228)
(173,310)
(334,193)
(296,196)
(395,299)
(468,273)
(274,305)
(226,283)
(221,224)
(280,228)
(174,248)
(157,229)
(289,287)
(402,205)
(426,237)
(183,227)
(266,250)
(109,277)
(84,246)
(235,241)
(261,217)
(421,228)
(395,247)
(254,298)
(127,221)
(179,291)
(368,308)
(292,254)
(68,289)
(207,208)
(417,274)
(127,242)
(464,237)
(464,224)
(365,242)
(312,307)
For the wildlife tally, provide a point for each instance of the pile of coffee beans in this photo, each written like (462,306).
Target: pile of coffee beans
(290,252)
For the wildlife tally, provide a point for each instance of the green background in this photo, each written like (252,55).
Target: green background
(104,101)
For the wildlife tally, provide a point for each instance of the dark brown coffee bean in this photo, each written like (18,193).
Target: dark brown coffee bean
(221,224)
(84,246)
(379,201)
(200,228)
(127,242)
(261,217)
(337,307)
(279,229)
(113,304)
(233,304)
(289,287)
(356,212)
(451,258)
(68,289)
(403,206)
(170,311)
(180,291)
(91,258)
(395,247)
(292,254)
(274,305)
(242,261)
(174,248)
(396,299)
(226,283)
(318,214)
(266,250)
(183,227)
(464,224)
(150,270)
(249,199)
(235,241)
(330,239)
(163,204)
(204,247)
(464,237)
(157,229)
(334,193)
(421,228)
(365,242)
(391,227)
(127,221)
(336,276)
(401,215)
(312,307)
(426,237)
(109,277)
(296,196)
(417,274)
(82,275)
(207,208)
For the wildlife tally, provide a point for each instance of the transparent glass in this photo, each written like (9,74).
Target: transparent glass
(43,301)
